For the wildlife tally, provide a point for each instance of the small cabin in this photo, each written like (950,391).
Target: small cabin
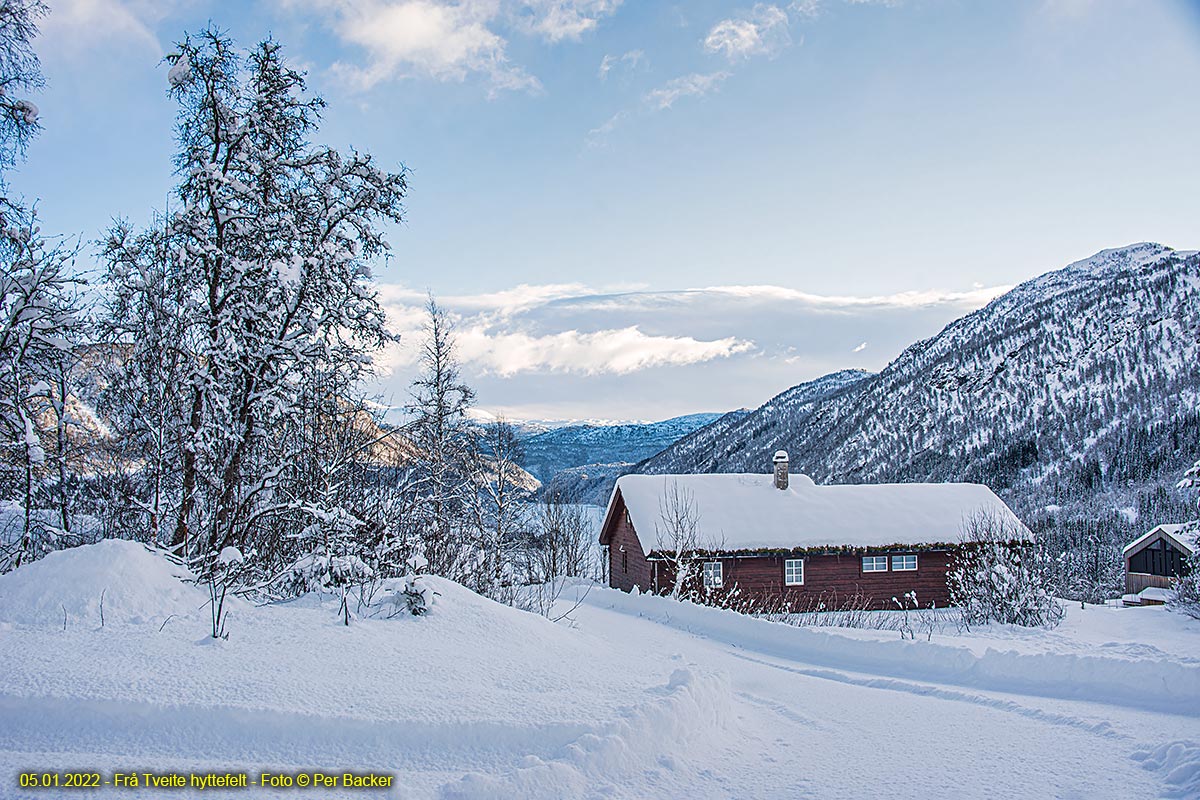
(780,542)
(1155,559)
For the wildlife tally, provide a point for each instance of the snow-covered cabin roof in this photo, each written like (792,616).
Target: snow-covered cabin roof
(746,512)
(1174,532)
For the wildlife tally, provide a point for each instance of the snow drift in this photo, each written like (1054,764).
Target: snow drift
(132,584)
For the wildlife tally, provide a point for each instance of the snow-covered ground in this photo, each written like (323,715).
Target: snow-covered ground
(634,697)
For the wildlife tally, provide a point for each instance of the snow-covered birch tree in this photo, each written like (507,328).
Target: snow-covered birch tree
(264,273)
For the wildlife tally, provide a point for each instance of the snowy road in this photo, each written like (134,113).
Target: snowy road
(808,731)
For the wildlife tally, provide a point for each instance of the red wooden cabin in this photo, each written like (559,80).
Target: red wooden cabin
(789,543)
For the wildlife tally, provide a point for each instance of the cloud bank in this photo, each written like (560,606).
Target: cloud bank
(558,351)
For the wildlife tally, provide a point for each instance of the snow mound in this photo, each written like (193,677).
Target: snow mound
(136,585)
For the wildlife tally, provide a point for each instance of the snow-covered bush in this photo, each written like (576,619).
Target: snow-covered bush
(319,570)
(999,576)
(412,594)
(418,595)
(222,572)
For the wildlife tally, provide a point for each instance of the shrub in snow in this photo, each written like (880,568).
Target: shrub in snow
(320,570)
(222,571)
(998,577)
(417,595)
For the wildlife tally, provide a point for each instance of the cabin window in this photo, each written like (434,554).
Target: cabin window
(874,563)
(904,563)
(713,577)
(624,560)
(793,572)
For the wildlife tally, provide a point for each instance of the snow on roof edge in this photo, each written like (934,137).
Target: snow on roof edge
(1169,530)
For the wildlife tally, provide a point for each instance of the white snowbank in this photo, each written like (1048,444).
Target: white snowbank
(1154,682)
(134,584)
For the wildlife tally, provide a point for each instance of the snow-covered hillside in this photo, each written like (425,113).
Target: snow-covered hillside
(1078,391)
(631,697)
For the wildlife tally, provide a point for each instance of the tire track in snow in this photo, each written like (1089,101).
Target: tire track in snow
(1099,728)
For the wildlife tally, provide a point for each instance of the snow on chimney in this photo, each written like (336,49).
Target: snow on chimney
(781,469)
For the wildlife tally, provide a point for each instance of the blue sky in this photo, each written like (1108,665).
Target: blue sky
(641,209)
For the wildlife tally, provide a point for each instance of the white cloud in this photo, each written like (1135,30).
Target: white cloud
(556,20)
(492,343)
(423,37)
(860,348)
(599,134)
(618,351)
(694,85)
(659,99)
(78,24)
(629,60)
(806,8)
(450,39)
(763,30)
(813,8)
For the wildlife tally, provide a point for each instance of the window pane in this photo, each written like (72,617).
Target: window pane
(874,564)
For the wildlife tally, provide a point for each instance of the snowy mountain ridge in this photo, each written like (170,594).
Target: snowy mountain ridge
(1078,389)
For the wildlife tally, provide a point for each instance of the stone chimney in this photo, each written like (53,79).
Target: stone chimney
(781,469)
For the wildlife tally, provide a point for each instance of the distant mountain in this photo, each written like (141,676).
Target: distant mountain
(549,451)
(1075,394)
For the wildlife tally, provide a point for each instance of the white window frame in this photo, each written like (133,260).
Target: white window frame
(713,573)
(903,559)
(789,573)
(874,564)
